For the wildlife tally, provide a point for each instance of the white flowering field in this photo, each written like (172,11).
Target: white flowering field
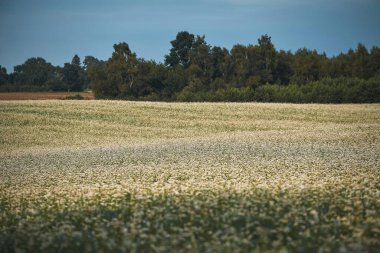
(113,176)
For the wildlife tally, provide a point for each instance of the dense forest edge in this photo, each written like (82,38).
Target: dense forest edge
(196,71)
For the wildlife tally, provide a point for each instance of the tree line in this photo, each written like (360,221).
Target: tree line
(194,70)
(35,74)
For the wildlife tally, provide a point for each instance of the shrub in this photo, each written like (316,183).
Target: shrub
(74,97)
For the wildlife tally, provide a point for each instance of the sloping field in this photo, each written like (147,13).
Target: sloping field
(42,95)
(112,176)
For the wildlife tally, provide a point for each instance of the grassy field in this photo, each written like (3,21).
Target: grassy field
(113,176)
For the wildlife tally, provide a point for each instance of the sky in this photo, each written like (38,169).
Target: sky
(58,29)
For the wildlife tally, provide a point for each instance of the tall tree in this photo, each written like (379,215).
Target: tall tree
(176,80)
(34,71)
(375,61)
(97,75)
(239,61)
(181,47)
(201,56)
(88,61)
(307,66)
(253,67)
(220,62)
(73,75)
(284,71)
(200,69)
(361,65)
(149,80)
(267,60)
(121,70)
(3,75)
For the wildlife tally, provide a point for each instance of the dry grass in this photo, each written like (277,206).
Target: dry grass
(159,177)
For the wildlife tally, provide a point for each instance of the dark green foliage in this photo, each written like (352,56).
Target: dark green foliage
(308,66)
(73,75)
(23,88)
(233,94)
(97,76)
(220,62)
(267,59)
(180,51)
(340,90)
(176,80)
(75,97)
(361,65)
(34,72)
(284,70)
(375,61)
(197,71)
(3,75)
(150,80)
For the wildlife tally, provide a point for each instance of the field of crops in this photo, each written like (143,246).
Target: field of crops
(114,176)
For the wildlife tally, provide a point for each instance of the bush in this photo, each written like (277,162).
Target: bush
(233,94)
(339,90)
(266,93)
(75,97)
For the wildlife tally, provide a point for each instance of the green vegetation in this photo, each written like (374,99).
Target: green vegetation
(38,75)
(197,71)
(116,176)
(75,97)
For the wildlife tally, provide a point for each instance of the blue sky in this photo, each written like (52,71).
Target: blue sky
(58,29)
